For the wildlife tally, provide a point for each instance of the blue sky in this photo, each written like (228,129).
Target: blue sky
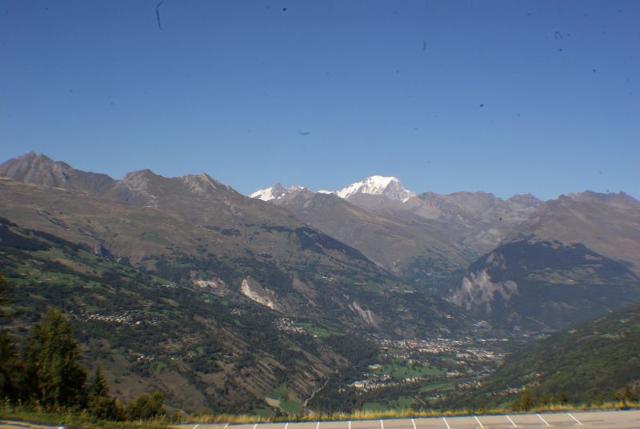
(501,96)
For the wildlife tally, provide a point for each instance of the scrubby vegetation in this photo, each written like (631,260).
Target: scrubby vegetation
(42,379)
(159,326)
(44,376)
(596,362)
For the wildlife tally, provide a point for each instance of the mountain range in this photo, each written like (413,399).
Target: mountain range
(519,263)
(215,249)
(272,296)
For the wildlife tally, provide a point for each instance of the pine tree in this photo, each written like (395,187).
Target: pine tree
(52,362)
(100,403)
(98,386)
(11,369)
(5,293)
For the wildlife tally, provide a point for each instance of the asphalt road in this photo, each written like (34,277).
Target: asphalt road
(590,419)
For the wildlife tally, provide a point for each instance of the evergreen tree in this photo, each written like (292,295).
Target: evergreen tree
(11,369)
(98,386)
(52,362)
(5,293)
(100,403)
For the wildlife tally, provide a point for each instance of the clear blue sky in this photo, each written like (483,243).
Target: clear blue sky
(503,96)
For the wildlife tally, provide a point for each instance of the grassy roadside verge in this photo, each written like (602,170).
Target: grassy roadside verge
(71,419)
(399,414)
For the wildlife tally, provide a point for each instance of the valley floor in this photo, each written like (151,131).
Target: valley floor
(584,419)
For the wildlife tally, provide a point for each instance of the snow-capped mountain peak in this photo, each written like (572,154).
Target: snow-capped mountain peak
(275,192)
(388,186)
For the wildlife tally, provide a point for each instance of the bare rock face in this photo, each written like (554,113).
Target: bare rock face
(136,189)
(213,284)
(534,284)
(259,294)
(200,184)
(479,291)
(368,316)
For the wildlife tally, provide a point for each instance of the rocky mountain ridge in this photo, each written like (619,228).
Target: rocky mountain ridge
(377,237)
(430,239)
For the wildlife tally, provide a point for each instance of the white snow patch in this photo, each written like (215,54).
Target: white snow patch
(275,192)
(388,186)
(263,194)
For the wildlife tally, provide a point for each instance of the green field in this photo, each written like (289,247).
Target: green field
(400,370)
(281,396)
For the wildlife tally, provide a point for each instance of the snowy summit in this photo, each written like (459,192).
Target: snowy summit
(275,192)
(388,186)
